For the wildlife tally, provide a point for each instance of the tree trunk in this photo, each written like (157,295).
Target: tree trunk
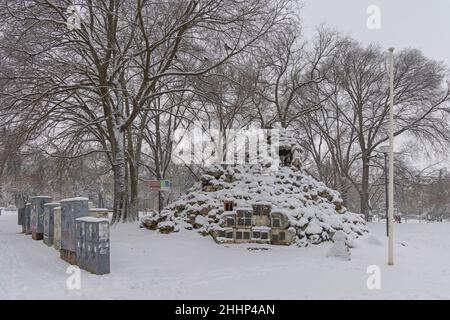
(364,192)
(133,175)
(121,203)
(134,192)
(343,188)
(123,209)
(101,202)
(134,169)
(2,169)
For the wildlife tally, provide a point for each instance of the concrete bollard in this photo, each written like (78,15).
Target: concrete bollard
(37,216)
(49,222)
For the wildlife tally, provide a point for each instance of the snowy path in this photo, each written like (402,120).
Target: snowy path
(147,265)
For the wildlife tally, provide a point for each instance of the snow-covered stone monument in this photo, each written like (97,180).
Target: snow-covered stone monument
(241,203)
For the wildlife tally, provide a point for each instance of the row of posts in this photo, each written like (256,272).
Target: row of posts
(79,233)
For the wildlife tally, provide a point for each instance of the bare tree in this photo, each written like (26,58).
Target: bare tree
(290,69)
(100,77)
(357,112)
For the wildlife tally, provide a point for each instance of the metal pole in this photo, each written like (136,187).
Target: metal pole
(159,201)
(386,190)
(391,161)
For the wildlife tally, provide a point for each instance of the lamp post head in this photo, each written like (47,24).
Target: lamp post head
(391,49)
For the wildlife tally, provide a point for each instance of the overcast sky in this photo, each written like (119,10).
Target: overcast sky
(422,24)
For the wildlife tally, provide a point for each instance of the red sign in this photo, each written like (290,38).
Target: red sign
(155,184)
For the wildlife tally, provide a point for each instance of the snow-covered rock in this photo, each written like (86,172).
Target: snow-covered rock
(167,227)
(150,221)
(313,210)
(340,249)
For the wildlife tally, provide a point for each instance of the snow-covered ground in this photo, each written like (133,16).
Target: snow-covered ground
(148,265)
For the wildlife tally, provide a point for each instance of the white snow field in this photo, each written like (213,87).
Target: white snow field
(184,265)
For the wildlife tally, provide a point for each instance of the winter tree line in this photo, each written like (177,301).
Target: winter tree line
(91,109)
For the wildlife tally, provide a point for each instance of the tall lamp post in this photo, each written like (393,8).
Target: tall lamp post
(391,160)
(385,151)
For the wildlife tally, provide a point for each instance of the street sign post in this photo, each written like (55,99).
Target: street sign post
(160,185)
